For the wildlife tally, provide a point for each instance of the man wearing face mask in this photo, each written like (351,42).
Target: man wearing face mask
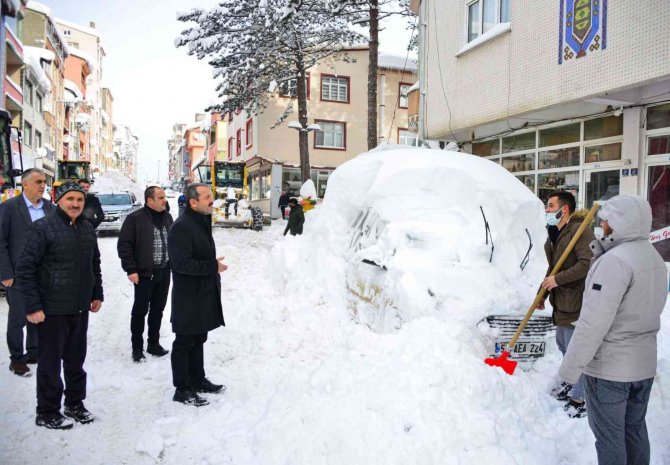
(565,289)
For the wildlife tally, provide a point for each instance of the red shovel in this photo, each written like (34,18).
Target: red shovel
(503,361)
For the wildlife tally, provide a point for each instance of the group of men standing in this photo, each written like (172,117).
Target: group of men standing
(607,301)
(50,266)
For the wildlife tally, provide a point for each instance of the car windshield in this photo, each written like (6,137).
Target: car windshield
(114,199)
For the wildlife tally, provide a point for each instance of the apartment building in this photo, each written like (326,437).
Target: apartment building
(78,68)
(337,102)
(566,95)
(86,42)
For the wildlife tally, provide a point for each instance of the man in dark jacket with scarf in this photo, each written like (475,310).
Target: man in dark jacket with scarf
(566,288)
(59,275)
(143,250)
(196,294)
(295,219)
(92,208)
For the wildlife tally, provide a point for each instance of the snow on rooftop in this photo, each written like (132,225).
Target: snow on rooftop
(84,56)
(390,61)
(33,56)
(79,27)
(74,88)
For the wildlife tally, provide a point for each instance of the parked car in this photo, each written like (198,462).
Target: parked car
(116,206)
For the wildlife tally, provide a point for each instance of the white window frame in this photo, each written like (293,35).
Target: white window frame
(403,96)
(323,125)
(334,84)
(481,33)
(403,137)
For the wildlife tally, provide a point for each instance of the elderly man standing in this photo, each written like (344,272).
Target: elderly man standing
(614,344)
(59,276)
(196,294)
(16,216)
(143,250)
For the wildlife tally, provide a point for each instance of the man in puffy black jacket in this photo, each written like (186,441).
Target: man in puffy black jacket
(143,250)
(59,275)
(196,294)
(92,207)
(295,219)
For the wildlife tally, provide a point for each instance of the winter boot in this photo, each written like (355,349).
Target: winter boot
(79,413)
(157,350)
(575,409)
(562,392)
(19,368)
(138,356)
(188,397)
(53,421)
(208,387)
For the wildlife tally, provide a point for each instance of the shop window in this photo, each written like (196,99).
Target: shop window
(598,153)
(488,148)
(658,117)
(549,182)
(518,142)
(528,180)
(610,126)
(658,194)
(561,158)
(560,135)
(483,15)
(291,181)
(659,145)
(518,163)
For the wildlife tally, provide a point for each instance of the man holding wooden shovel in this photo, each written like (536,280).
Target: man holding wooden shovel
(567,286)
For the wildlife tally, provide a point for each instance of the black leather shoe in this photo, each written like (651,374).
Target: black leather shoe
(189,397)
(208,387)
(157,350)
(138,356)
(79,414)
(19,368)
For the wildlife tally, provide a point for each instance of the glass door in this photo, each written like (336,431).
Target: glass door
(600,186)
(658,194)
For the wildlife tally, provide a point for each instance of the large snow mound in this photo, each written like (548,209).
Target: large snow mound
(112,181)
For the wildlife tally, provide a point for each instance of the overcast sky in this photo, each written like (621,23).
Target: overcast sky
(154,84)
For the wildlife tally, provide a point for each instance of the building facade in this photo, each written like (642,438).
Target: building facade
(566,95)
(337,102)
(106,157)
(126,146)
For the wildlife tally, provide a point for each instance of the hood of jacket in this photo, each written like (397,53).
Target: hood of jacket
(629,216)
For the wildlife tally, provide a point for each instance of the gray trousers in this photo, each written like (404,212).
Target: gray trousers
(563,337)
(616,417)
(16,321)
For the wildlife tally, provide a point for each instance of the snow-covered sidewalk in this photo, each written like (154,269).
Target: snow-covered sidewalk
(306,385)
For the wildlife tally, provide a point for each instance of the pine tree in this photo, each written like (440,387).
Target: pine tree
(257,47)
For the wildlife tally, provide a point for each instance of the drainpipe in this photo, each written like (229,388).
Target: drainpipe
(382,108)
(422,72)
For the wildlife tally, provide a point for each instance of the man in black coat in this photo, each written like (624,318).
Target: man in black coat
(16,216)
(59,276)
(143,250)
(93,209)
(196,294)
(295,219)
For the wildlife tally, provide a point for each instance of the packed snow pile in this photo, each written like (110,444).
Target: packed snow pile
(112,181)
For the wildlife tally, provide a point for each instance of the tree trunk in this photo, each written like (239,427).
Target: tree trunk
(372,74)
(302,119)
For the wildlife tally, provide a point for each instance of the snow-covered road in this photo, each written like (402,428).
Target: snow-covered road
(306,385)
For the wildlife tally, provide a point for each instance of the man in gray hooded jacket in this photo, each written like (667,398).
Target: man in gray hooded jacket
(614,344)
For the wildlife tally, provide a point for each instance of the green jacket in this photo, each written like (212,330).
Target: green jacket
(566,299)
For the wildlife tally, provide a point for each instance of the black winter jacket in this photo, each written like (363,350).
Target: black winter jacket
(295,220)
(136,242)
(59,269)
(196,288)
(93,210)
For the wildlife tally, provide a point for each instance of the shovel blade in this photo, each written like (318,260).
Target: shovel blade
(503,362)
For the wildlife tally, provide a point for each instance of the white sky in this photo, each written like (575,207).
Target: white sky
(154,84)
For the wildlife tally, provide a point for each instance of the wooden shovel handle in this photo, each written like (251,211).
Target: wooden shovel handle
(540,295)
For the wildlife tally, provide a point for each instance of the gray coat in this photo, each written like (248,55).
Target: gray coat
(626,289)
(14,223)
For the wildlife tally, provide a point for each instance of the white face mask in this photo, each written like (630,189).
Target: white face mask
(554,218)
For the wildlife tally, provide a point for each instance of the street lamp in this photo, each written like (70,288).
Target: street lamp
(298,127)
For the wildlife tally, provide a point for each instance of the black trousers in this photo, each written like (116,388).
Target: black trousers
(188,361)
(16,321)
(150,297)
(61,339)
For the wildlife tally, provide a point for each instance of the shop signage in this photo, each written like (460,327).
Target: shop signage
(582,28)
(660,235)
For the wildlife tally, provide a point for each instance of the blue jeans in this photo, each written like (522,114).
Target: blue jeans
(616,417)
(563,336)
